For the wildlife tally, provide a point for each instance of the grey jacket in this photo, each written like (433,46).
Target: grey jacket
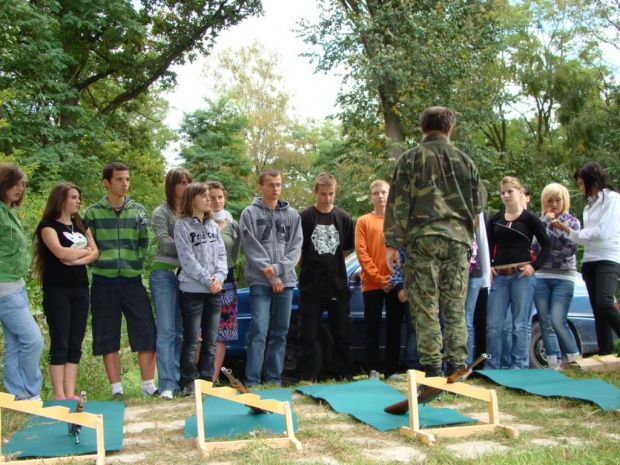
(270,237)
(202,254)
(164,218)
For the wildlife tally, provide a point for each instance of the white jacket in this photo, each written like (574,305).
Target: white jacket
(600,234)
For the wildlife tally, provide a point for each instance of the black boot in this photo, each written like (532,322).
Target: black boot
(433,370)
(453,368)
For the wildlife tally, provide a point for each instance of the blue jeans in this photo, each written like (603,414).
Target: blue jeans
(411,359)
(165,292)
(266,337)
(507,337)
(23,344)
(473,289)
(201,312)
(552,298)
(519,293)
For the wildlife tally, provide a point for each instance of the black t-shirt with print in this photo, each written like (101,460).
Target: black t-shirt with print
(326,237)
(57,274)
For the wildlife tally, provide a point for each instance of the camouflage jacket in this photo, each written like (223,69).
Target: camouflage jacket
(435,190)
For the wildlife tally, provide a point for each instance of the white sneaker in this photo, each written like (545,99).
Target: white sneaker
(167,395)
(397,377)
(374,374)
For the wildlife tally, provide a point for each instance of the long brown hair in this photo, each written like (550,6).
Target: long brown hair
(173,177)
(10,176)
(186,208)
(53,210)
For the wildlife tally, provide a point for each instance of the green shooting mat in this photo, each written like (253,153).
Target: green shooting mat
(552,383)
(366,399)
(226,419)
(43,437)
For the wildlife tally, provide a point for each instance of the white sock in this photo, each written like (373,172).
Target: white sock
(148,385)
(117,388)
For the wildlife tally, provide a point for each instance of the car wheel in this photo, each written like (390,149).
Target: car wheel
(538,355)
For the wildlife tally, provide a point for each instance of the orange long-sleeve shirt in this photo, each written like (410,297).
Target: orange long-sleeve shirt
(370,251)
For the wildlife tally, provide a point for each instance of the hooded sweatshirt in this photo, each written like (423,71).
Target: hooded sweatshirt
(201,252)
(270,237)
(122,238)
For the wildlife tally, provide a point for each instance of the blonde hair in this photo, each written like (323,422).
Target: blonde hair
(377,182)
(510,181)
(555,190)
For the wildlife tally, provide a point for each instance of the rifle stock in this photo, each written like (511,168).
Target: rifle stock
(429,393)
(238,385)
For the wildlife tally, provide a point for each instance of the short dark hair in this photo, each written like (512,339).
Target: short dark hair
(173,177)
(186,208)
(594,177)
(108,170)
(268,172)
(437,119)
(526,190)
(10,176)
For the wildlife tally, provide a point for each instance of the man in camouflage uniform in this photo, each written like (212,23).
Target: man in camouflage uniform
(435,195)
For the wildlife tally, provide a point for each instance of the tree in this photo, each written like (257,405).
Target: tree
(401,56)
(68,65)
(251,78)
(215,149)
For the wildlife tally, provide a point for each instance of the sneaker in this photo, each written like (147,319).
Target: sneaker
(397,377)
(374,374)
(118,396)
(167,395)
(152,394)
(188,391)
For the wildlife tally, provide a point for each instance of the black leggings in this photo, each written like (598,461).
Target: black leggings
(66,312)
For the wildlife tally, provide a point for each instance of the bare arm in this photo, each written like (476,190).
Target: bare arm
(65,254)
(91,257)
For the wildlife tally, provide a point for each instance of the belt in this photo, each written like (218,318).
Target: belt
(508,271)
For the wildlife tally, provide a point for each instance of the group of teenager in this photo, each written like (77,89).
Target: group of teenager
(192,281)
(424,256)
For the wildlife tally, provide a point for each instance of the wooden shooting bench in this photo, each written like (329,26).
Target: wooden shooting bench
(57,412)
(250,400)
(416,378)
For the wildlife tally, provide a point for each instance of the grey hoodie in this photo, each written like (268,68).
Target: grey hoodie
(201,254)
(270,237)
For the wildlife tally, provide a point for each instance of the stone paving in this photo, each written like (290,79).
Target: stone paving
(159,426)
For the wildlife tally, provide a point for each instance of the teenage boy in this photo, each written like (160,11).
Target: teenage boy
(377,289)
(323,283)
(271,239)
(120,228)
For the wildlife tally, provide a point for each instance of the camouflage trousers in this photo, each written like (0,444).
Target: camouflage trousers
(435,275)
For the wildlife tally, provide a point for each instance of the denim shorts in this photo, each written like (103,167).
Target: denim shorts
(109,301)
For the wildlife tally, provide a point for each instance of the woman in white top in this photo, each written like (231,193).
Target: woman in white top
(600,237)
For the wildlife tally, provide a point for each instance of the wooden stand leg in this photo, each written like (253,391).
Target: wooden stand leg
(250,400)
(428,435)
(35,407)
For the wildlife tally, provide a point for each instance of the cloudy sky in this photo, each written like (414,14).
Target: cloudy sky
(313,95)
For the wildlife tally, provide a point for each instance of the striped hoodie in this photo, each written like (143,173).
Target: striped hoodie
(122,238)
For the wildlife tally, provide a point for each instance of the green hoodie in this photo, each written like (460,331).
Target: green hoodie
(15,255)
(121,236)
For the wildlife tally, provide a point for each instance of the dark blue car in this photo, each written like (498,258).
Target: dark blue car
(581,322)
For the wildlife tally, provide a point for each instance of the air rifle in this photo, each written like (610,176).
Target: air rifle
(238,385)
(429,393)
(75,430)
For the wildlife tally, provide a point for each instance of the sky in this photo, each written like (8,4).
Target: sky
(312,94)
